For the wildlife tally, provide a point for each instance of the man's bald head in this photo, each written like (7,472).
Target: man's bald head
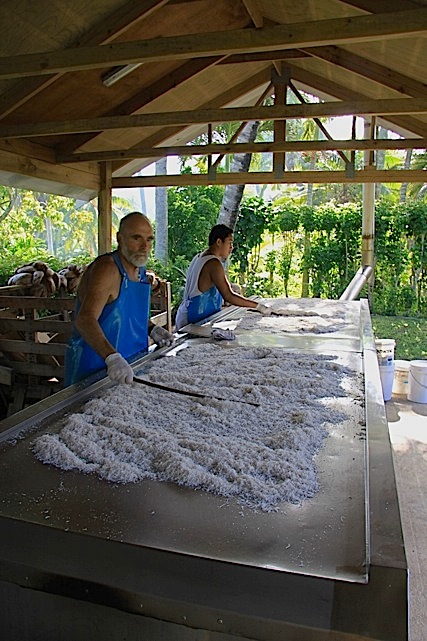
(135,238)
(134,215)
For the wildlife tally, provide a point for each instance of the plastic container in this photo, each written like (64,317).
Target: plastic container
(401,377)
(385,351)
(417,381)
(387,377)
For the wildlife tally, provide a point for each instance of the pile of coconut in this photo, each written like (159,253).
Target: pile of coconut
(38,279)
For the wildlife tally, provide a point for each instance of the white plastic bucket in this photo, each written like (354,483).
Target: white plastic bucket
(387,376)
(385,351)
(401,377)
(417,381)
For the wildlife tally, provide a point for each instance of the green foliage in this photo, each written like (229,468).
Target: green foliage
(53,229)
(253,220)
(285,216)
(333,253)
(259,285)
(401,258)
(174,273)
(192,212)
(323,239)
(410,335)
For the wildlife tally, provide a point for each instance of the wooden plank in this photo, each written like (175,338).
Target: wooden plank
(27,347)
(344,92)
(381,107)
(104,208)
(248,147)
(101,33)
(159,319)
(268,178)
(6,375)
(39,169)
(370,69)
(33,302)
(38,369)
(18,399)
(30,325)
(351,29)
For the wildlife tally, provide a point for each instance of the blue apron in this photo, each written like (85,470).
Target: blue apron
(204,305)
(124,323)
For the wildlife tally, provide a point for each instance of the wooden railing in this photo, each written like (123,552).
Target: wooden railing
(34,333)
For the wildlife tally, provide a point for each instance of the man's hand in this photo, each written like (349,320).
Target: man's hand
(118,369)
(265,310)
(161,336)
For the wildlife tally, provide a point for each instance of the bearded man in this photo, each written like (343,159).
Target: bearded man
(113,308)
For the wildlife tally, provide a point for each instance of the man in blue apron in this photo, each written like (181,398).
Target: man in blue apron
(113,308)
(207,285)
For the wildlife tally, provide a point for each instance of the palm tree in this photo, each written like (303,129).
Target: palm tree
(233,193)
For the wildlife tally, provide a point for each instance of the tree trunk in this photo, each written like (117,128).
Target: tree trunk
(233,193)
(305,283)
(161,200)
(404,186)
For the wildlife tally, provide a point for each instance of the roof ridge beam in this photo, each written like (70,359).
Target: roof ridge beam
(336,31)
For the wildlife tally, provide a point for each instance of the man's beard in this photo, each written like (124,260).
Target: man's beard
(137,259)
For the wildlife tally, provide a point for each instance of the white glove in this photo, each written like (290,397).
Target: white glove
(265,310)
(161,336)
(223,334)
(118,369)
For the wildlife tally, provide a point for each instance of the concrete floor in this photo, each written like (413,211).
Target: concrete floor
(408,434)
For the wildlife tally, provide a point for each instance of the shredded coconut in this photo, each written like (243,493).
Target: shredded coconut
(260,455)
(297,316)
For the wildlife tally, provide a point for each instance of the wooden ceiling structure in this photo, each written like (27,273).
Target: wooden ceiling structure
(93,92)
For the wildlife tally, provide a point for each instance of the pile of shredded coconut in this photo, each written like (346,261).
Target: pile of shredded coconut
(260,455)
(297,316)
(295,323)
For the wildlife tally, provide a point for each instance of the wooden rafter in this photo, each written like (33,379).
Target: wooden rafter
(241,148)
(230,114)
(370,69)
(344,93)
(226,97)
(336,31)
(103,33)
(369,175)
(189,69)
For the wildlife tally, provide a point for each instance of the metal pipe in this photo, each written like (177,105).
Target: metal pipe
(360,279)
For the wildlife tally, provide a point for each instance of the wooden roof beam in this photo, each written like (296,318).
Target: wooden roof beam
(189,69)
(380,107)
(296,35)
(319,83)
(369,175)
(161,136)
(102,33)
(243,148)
(369,69)
(382,6)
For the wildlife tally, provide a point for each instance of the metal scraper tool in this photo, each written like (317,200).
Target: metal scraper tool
(166,388)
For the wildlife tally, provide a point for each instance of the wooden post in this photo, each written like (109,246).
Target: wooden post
(104,208)
(368,218)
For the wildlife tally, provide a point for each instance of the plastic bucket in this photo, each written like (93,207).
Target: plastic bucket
(417,381)
(401,377)
(385,351)
(387,377)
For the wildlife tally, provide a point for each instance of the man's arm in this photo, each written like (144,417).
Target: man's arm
(100,286)
(219,279)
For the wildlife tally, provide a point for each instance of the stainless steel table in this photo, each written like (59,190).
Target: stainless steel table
(82,558)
